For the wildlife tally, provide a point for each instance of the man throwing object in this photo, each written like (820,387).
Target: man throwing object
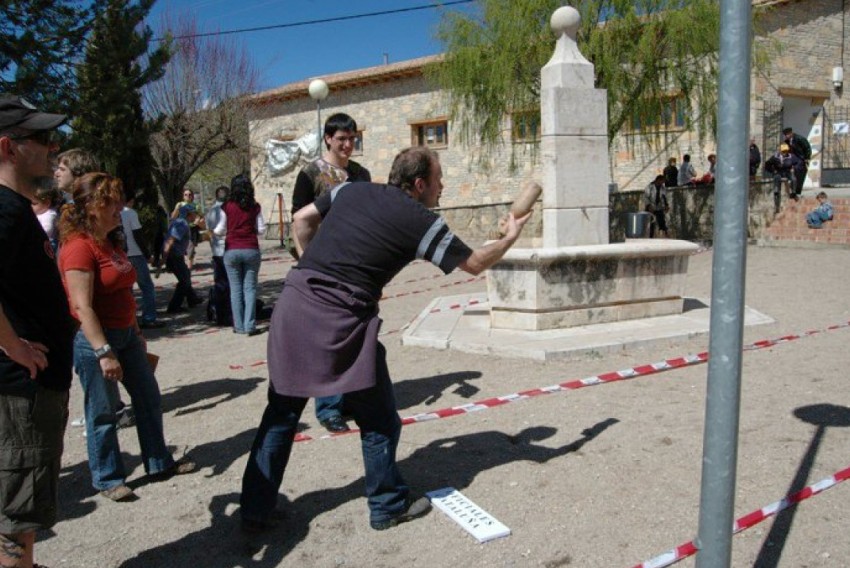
(368,233)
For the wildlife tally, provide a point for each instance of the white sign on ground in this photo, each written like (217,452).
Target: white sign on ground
(477,522)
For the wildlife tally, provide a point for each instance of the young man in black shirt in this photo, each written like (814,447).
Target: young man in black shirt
(317,178)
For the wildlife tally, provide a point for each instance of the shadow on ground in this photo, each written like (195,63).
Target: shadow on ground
(455,461)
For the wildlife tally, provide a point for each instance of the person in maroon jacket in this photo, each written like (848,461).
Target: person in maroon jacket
(240,222)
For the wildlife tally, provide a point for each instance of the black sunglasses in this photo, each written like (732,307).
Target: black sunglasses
(43,137)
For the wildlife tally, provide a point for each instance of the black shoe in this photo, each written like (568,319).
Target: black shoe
(256,331)
(180,310)
(335,424)
(151,324)
(415,509)
(194,302)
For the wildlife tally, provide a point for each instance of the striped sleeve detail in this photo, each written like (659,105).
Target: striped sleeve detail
(434,232)
(442,247)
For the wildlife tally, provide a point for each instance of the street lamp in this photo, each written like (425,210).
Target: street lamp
(318,90)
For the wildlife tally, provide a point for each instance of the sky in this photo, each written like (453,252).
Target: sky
(292,54)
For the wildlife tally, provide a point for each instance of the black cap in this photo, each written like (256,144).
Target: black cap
(18,113)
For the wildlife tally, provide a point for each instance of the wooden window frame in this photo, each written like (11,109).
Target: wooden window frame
(418,137)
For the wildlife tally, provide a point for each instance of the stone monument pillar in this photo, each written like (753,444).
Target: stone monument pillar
(574,143)
(577,278)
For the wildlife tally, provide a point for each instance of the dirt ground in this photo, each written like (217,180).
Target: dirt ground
(606,476)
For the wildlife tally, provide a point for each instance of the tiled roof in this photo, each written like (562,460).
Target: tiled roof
(348,79)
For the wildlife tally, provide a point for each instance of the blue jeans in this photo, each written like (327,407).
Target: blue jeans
(100,396)
(143,279)
(328,406)
(374,411)
(243,266)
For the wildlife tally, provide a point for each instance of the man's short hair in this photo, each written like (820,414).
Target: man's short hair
(221,192)
(339,121)
(78,161)
(787,130)
(686,158)
(410,164)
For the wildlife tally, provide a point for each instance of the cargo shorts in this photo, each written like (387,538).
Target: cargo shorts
(31,443)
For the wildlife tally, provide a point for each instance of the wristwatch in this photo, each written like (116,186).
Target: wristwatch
(103,351)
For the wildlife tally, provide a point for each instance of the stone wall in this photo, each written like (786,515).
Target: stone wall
(691,215)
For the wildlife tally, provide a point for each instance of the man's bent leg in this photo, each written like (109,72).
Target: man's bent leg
(176,265)
(374,410)
(269,456)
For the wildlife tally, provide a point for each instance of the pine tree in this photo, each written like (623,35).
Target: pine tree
(108,119)
(40,40)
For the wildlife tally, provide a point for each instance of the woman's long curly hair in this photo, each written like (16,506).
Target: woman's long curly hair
(91,192)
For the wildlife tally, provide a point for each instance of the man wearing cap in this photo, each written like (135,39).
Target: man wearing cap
(36,336)
(785,167)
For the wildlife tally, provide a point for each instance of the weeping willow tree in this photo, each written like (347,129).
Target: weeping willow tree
(646,53)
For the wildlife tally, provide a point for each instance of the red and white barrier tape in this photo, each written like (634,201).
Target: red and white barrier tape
(624,374)
(751,519)
(424,290)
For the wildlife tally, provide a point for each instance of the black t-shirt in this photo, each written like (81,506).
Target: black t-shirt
(33,297)
(369,232)
(319,177)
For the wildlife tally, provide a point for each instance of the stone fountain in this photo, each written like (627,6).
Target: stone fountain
(574,279)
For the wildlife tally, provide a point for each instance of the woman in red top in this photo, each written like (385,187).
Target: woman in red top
(109,347)
(240,223)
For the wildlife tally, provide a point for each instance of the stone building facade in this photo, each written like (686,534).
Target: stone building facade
(392,103)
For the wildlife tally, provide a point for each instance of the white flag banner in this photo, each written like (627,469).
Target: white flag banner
(841,128)
(283,157)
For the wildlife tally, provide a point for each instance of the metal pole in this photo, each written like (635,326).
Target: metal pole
(720,445)
(280,217)
(319,113)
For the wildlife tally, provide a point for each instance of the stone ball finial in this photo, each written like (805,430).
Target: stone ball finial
(565,20)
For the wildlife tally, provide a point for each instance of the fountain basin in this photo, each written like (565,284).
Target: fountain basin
(560,287)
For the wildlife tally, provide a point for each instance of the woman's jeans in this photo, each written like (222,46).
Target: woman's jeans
(373,409)
(243,266)
(100,397)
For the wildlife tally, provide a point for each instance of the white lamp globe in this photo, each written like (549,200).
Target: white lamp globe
(318,90)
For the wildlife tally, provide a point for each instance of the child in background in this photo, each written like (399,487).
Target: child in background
(823,212)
